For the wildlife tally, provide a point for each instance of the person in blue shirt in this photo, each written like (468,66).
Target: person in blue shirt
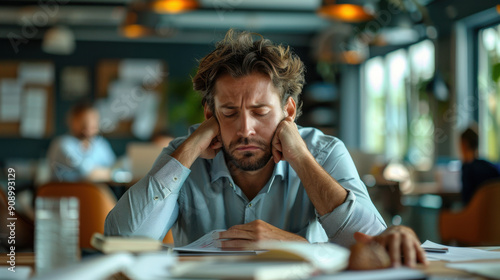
(250,169)
(475,171)
(82,155)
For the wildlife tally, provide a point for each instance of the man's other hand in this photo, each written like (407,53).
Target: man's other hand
(208,138)
(203,142)
(245,236)
(287,144)
(399,241)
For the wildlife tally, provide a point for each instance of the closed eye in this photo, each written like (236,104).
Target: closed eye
(262,112)
(229,114)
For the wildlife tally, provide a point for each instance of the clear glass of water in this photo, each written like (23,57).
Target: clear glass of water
(56,233)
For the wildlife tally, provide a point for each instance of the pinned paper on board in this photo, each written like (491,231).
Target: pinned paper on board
(10,100)
(145,119)
(144,71)
(33,115)
(36,73)
(74,83)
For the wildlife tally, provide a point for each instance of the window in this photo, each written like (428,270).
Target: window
(489,93)
(397,119)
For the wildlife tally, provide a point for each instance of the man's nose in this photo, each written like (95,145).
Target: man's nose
(247,125)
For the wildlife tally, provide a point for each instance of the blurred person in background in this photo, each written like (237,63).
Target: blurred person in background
(82,155)
(475,171)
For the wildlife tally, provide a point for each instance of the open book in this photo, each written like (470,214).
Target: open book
(111,244)
(281,260)
(208,245)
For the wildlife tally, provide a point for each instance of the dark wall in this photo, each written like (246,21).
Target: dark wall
(180,59)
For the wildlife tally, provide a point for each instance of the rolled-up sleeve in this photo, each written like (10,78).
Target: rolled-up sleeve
(357,213)
(149,208)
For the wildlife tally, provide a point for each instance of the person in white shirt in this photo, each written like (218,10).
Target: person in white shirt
(250,169)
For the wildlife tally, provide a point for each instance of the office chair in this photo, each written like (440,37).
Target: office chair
(478,223)
(169,238)
(96,201)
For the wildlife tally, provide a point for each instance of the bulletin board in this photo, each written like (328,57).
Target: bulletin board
(12,128)
(108,71)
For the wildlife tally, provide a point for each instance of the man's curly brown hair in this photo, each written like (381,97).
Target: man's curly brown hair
(238,54)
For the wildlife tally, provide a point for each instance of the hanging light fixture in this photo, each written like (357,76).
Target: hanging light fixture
(174,6)
(59,40)
(138,24)
(345,10)
(144,16)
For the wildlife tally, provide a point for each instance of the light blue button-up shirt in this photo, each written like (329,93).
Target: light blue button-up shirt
(70,161)
(195,201)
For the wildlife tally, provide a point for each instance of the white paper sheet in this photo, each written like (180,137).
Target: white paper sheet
(124,99)
(380,274)
(151,265)
(33,114)
(108,120)
(490,270)
(209,243)
(10,100)
(36,73)
(145,119)
(460,254)
(144,71)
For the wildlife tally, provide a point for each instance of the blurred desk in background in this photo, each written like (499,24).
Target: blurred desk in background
(450,197)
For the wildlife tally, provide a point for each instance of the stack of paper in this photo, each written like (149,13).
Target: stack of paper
(459,254)
(490,270)
(380,274)
(276,260)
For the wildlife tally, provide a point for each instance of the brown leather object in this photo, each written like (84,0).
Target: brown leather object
(479,223)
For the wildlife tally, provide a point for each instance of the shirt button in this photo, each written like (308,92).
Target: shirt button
(155,198)
(175,179)
(249,205)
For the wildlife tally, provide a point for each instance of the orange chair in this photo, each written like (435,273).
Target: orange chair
(96,201)
(169,238)
(479,223)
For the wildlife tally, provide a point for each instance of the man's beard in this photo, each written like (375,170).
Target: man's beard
(249,161)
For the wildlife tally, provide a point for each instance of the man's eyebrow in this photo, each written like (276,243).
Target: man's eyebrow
(260,106)
(230,106)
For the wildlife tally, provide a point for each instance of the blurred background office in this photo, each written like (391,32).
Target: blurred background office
(396,80)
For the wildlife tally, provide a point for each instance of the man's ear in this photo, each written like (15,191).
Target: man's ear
(290,108)
(207,112)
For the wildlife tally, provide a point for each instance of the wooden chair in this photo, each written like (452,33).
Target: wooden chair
(96,201)
(479,223)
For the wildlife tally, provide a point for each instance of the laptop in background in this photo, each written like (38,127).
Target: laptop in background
(141,157)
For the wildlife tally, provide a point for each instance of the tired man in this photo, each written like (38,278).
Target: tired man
(250,169)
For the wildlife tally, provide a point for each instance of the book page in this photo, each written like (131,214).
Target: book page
(209,243)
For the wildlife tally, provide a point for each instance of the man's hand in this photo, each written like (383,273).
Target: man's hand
(203,142)
(246,235)
(398,241)
(207,137)
(287,144)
